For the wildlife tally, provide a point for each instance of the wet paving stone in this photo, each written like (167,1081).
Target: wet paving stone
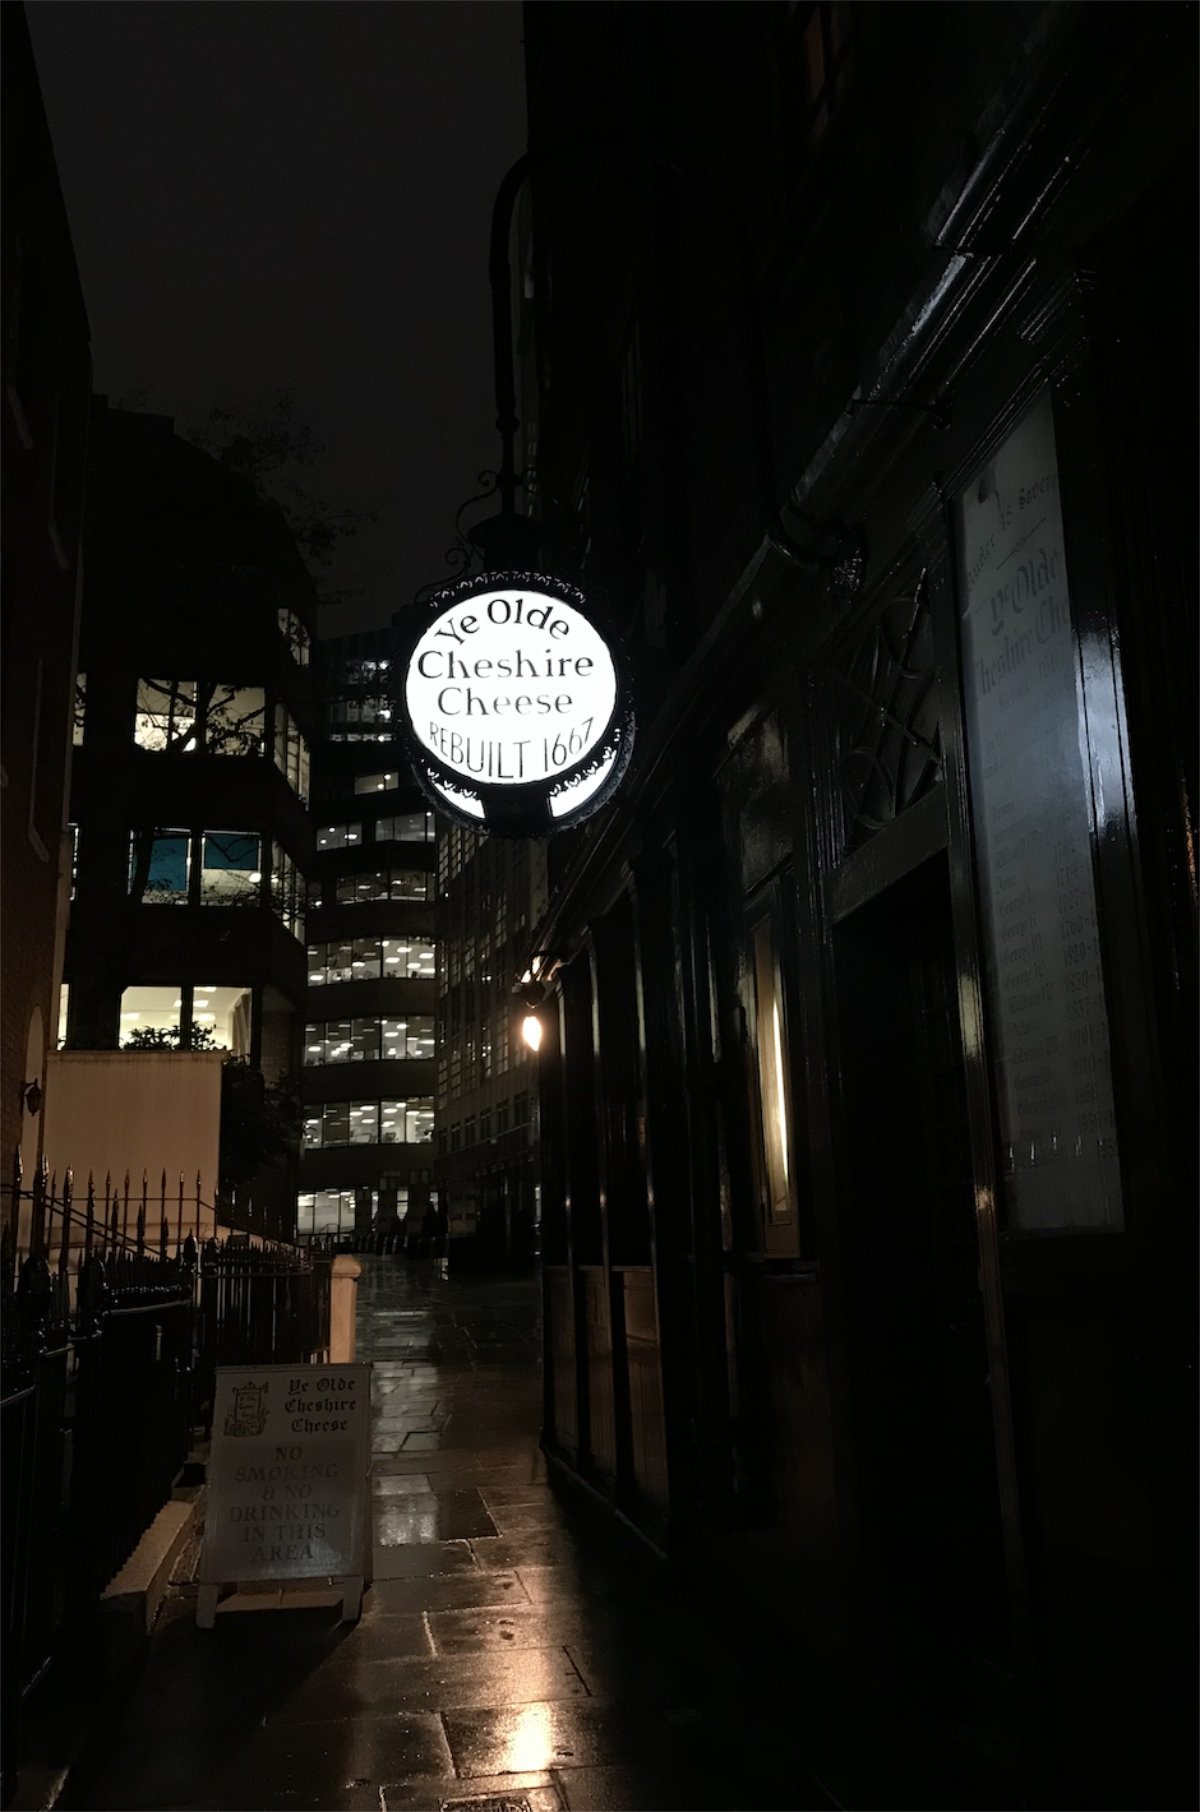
(538,1548)
(380,1688)
(443,1592)
(556,1734)
(518,1626)
(420,1558)
(394,1484)
(328,1764)
(526,1519)
(434,1517)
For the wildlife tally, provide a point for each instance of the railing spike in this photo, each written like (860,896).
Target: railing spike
(64,1252)
(37,1207)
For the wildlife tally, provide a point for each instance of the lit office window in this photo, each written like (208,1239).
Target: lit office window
(364,1123)
(361,889)
(335,1123)
(291,755)
(366,959)
(413,958)
(366,1040)
(331,1211)
(411,884)
(406,827)
(364,963)
(370,1123)
(375,783)
(418,1121)
(159,867)
(226,1012)
(231,871)
(233,719)
(166,715)
(296,636)
(367,711)
(338,836)
(221,1018)
(287,891)
(154,1010)
(341,962)
(410,1038)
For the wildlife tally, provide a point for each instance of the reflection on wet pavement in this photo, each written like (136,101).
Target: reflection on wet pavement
(509,1650)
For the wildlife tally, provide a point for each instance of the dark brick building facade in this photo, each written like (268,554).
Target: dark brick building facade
(47,383)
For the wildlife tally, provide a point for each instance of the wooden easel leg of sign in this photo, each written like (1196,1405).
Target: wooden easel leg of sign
(351,1590)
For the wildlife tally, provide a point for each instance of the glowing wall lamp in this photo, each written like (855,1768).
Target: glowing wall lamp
(532,992)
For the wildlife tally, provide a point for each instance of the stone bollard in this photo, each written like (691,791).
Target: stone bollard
(343,1304)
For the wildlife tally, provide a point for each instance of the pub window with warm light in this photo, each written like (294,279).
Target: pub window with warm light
(772,1075)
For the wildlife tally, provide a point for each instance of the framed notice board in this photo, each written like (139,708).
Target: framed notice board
(288,1493)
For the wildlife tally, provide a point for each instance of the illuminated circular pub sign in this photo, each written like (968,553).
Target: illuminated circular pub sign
(516,705)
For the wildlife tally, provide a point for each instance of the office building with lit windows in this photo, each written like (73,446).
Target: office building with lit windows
(367,1079)
(190,784)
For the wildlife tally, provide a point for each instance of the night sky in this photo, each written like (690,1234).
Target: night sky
(278,194)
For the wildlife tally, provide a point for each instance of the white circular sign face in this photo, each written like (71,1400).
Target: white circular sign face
(510,688)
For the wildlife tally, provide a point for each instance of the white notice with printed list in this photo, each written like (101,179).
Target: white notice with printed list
(1027,738)
(288,1493)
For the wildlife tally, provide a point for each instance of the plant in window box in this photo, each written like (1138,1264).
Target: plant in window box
(171,1038)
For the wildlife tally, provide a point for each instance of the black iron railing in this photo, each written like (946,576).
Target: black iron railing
(115,1308)
(259,1305)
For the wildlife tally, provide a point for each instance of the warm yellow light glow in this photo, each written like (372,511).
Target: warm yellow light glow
(531,1741)
(780,1098)
(531,1031)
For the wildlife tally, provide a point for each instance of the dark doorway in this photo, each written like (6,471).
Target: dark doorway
(923,1414)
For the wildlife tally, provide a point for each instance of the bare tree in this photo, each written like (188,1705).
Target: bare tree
(268,444)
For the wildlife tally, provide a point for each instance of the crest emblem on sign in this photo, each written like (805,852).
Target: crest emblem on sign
(249,1413)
